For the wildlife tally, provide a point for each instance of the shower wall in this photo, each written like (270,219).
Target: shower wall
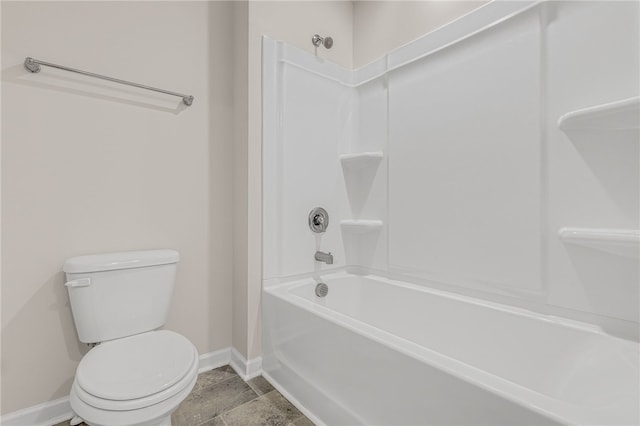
(294,22)
(315,120)
(465,195)
(447,163)
(592,167)
(320,116)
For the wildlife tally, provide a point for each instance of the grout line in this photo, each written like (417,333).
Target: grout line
(201,423)
(257,396)
(296,419)
(215,384)
(252,399)
(254,389)
(225,412)
(244,403)
(208,420)
(233,374)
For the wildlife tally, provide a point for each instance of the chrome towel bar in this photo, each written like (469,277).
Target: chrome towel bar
(33,65)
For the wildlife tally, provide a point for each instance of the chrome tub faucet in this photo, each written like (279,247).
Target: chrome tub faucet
(324,257)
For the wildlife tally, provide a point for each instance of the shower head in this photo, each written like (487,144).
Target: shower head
(317,40)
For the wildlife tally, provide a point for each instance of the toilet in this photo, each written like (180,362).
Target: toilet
(135,374)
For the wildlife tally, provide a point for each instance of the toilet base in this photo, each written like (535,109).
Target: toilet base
(161,422)
(154,415)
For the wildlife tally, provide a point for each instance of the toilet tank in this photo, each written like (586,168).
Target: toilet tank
(116,295)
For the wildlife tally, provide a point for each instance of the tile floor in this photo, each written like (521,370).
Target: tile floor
(221,398)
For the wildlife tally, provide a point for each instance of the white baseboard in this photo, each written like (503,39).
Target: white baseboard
(245,369)
(215,359)
(45,414)
(52,412)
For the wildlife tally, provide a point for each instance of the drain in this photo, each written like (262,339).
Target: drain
(322,289)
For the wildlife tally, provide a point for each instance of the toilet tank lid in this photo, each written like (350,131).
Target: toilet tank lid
(120,260)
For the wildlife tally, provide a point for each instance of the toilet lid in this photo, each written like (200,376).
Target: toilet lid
(137,366)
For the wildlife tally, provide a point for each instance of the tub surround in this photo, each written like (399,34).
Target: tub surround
(493,162)
(411,158)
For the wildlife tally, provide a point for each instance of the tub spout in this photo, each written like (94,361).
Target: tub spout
(324,257)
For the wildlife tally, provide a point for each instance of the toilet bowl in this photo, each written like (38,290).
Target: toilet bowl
(135,375)
(138,380)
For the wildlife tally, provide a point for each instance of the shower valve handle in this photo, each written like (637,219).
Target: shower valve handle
(318,220)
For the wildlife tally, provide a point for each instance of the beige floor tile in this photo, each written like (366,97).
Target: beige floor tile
(216,421)
(260,385)
(221,398)
(302,421)
(207,403)
(270,409)
(209,378)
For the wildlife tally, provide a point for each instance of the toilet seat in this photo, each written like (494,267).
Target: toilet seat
(153,415)
(136,371)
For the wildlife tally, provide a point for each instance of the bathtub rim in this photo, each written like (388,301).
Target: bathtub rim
(553,408)
(614,327)
(509,309)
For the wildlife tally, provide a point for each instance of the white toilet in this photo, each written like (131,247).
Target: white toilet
(136,375)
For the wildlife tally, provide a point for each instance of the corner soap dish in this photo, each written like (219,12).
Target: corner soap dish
(621,242)
(362,159)
(360,226)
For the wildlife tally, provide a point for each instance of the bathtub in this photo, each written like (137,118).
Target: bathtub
(380,352)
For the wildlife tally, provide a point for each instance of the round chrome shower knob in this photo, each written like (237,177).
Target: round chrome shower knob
(318,220)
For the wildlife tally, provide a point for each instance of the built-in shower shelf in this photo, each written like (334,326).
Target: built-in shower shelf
(361,159)
(619,115)
(622,242)
(360,226)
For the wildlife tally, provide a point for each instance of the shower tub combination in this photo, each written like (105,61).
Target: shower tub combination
(380,352)
(373,146)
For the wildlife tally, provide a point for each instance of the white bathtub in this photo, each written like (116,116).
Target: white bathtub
(381,352)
